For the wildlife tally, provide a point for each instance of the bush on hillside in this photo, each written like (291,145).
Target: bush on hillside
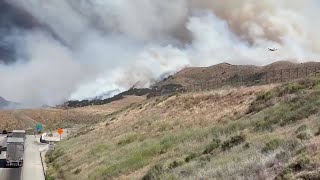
(318,132)
(303,162)
(304,135)
(301,128)
(246,146)
(288,112)
(154,173)
(190,157)
(294,145)
(290,88)
(233,141)
(263,125)
(176,163)
(262,101)
(272,145)
(282,156)
(130,139)
(215,144)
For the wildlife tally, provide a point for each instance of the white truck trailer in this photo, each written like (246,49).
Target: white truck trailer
(15,152)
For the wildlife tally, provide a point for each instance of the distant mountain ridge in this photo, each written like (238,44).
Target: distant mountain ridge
(227,72)
(201,75)
(3,103)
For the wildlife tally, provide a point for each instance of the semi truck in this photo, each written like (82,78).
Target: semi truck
(18,134)
(15,151)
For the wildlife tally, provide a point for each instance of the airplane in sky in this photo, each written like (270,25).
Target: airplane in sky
(272,49)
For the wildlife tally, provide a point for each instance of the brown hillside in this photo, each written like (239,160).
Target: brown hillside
(225,72)
(52,117)
(259,132)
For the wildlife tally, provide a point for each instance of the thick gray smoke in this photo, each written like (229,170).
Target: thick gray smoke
(86,48)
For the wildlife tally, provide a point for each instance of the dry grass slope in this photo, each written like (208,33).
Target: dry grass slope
(263,132)
(53,117)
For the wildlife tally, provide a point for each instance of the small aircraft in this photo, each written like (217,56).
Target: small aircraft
(272,49)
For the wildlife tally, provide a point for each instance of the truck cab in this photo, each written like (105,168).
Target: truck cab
(19,134)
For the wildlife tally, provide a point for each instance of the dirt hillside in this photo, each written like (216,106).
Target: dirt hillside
(261,132)
(51,117)
(225,71)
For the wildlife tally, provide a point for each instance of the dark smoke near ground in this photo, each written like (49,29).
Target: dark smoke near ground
(53,51)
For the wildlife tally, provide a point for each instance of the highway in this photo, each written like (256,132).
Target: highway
(32,168)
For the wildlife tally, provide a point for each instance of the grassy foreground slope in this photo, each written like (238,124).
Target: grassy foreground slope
(263,132)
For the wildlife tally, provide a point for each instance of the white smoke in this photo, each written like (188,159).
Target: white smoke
(99,46)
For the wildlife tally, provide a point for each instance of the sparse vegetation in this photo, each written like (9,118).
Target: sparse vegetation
(130,139)
(301,128)
(202,135)
(318,132)
(304,136)
(263,125)
(272,145)
(263,100)
(154,173)
(233,141)
(215,144)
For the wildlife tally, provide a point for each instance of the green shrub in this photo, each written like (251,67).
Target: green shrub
(303,162)
(265,96)
(318,132)
(167,142)
(130,139)
(263,125)
(272,145)
(154,173)
(233,128)
(301,128)
(262,101)
(138,157)
(290,88)
(77,171)
(294,145)
(282,156)
(190,157)
(51,156)
(205,158)
(285,174)
(304,136)
(246,146)
(99,149)
(233,141)
(290,111)
(49,178)
(215,144)
(175,164)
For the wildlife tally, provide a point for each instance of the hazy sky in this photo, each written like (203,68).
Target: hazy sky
(86,48)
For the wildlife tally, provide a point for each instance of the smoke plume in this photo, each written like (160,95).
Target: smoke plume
(78,49)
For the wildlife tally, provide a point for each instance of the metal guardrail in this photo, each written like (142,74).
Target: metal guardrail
(44,172)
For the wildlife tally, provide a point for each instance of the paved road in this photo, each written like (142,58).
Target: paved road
(32,168)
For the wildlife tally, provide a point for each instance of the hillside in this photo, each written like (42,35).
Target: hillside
(54,117)
(213,77)
(228,72)
(6,104)
(261,132)
(3,102)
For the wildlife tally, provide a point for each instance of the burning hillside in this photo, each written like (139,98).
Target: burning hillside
(103,46)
